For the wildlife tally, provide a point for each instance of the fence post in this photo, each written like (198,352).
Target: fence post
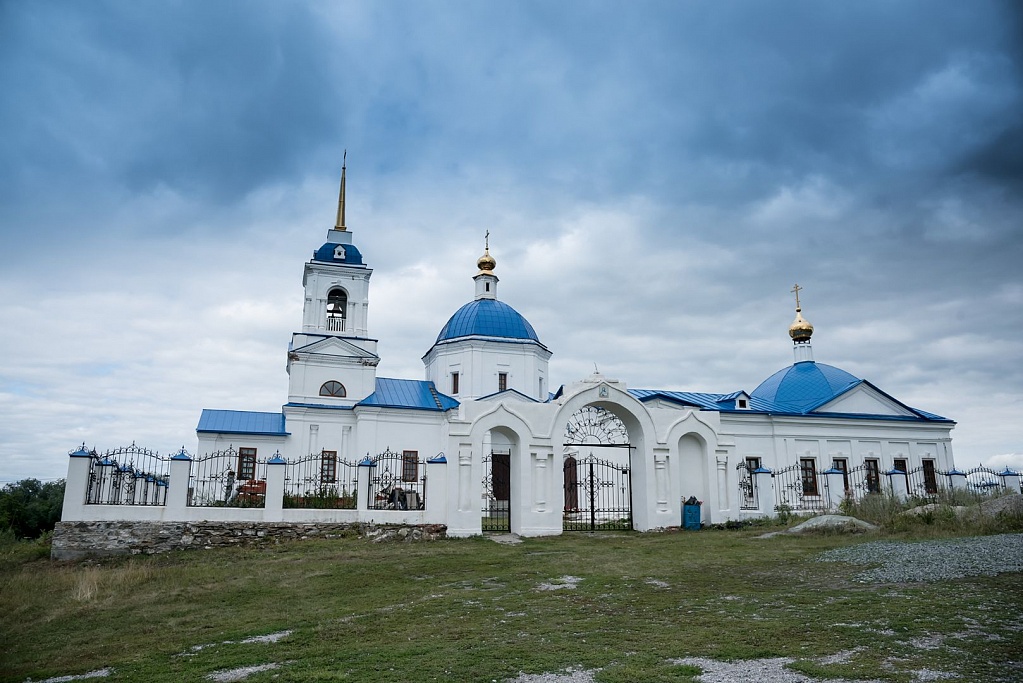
(957,479)
(76,486)
(273,499)
(897,483)
(836,487)
(436,489)
(1010,480)
(177,491)
(766,496)
(363,476)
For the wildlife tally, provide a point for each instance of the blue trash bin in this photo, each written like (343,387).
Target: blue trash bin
(691,517)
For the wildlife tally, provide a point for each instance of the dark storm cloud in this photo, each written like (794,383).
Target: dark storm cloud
(188,96)
(655,175)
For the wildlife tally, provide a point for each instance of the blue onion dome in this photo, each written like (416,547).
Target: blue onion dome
(487,318)
(803,386)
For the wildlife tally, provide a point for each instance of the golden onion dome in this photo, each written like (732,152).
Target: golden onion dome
(486,263)
(800,330)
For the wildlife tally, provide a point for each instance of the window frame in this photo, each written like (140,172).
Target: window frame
(246,463)
(930,471)
(332,392)
(410,466)
(502,381)
(808,476)
(842,464)
(328,467)
(873,471)
(455,376)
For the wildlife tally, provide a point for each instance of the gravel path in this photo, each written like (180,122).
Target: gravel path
(952,558)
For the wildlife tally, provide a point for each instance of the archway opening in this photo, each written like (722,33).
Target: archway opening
(496,501)
(597,472)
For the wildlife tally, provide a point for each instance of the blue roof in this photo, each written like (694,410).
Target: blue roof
(487,318)
(796,390)
(803,386)
(241,422)
(408,393)
(353,257)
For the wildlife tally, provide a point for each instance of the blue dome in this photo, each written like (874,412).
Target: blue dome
(353,256)
(487,318)
(803,386)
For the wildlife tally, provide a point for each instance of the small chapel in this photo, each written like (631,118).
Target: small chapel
(487,441)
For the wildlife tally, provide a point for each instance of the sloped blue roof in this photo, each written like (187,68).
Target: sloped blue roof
(803,386)
(408,393)
(487,318)
(241,422)
(353,257)
(796,390)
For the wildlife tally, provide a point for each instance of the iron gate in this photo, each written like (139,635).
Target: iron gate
(497,492)
(598,495)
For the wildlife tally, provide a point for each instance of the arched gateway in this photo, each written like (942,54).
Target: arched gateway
(597,472)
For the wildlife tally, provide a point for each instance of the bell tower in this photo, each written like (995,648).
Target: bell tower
(333,360)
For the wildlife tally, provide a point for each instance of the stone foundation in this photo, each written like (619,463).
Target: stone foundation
(76,540)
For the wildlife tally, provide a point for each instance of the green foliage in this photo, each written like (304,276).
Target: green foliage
(949,512)
(323,498)
(784,513)
(30,508)
(474,610)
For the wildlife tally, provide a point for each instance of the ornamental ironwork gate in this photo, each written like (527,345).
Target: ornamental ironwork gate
(497,492)
(598,495)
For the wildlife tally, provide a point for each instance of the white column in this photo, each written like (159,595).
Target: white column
(177,491)
(76,485)
(540,481)
(722,477)
(1010,480)
(766,496)
(661,481)
(897,484)
(464,480)
(436,503)
(836,487)
(957,479)
(273,501)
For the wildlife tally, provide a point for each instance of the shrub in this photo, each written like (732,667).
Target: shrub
(30,508)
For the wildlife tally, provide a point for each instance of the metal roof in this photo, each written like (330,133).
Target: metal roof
(241,422)
(408,393)
(804,385)
(795,390)
(487,318)
(353,257)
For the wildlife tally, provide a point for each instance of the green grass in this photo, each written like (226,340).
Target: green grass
(473,610)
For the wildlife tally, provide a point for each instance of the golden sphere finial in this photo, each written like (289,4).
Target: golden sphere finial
(486,263)
(800,330)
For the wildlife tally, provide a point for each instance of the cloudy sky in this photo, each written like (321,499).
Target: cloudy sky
(655,177)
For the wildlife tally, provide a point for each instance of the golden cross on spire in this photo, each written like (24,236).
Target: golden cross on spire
(796,289)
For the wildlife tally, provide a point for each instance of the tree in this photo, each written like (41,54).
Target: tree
(30,508)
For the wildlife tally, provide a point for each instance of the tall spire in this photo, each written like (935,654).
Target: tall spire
(486,280)
(340,223)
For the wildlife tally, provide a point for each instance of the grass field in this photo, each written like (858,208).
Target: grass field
(476,610)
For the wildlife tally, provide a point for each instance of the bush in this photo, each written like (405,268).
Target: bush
(30,508)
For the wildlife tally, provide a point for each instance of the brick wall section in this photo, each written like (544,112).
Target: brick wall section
(76,540)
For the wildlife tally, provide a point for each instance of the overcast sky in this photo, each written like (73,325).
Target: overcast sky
(655,177)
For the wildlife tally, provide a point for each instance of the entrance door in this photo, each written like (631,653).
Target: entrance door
(598,495)
(496,510)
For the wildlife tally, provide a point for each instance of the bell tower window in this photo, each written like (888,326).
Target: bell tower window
(337,310)
(333,388)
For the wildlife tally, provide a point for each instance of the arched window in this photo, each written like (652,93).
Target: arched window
(337,310)
(333,388)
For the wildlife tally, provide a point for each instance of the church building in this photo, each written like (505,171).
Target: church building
(488,441)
